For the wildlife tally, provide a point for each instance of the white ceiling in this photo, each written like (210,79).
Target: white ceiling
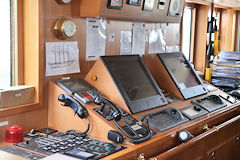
(224,3)
(228,3)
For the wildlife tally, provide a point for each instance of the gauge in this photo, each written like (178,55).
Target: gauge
(184,135)
(64,28)
(63,1)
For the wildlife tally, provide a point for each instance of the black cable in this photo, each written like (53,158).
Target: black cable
(80,133)
(117,115)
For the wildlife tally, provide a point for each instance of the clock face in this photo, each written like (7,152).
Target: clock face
(66,1)
(69,28)
(63,1)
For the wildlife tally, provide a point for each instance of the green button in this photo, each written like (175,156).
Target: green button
(87,145)
(106,145)
(95,142)
(92,147)
(108,148)
(97,148)
(100,144)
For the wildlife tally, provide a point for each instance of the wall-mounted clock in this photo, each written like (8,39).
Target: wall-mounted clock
(63,1)
(64,28)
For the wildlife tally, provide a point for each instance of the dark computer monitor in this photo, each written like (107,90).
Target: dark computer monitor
(136,85)
(183,74)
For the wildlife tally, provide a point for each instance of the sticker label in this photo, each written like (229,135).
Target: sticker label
(4,123)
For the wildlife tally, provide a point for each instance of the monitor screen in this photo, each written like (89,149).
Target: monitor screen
(134,82)
(183,74)
(181,71)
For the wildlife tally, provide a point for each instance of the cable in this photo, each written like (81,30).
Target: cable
(80,133)
(117,116)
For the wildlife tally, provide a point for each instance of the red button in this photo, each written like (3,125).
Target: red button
(162,100)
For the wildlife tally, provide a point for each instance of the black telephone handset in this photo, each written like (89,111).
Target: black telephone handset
(77,107)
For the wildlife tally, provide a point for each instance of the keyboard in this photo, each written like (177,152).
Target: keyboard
(165,119)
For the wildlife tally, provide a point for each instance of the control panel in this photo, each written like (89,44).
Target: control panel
(62,142)
(194,111)
(79,88)
(210,102)
(21,152)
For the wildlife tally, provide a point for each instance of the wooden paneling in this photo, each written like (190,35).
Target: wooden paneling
(161,75)
(27,120)
(105,84)
(63,118)
(98,8)
(31,44)
(20,43)
(200,38)
(228,30)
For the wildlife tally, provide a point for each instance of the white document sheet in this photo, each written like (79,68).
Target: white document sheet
(157,41)
(172,49)
(126,43)
(95,38)
(139,38)
(62,58)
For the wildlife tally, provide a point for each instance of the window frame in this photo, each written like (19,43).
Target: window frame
(29,66)
(193,23)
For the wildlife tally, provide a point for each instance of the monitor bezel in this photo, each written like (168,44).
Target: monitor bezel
(140,105)
(187,92)
(62,84)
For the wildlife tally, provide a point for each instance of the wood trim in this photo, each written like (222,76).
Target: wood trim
(201,2)
(19,109)
(20,71)
(236,9)
(191,5)
(200,38)
(228,23)
(32,45)
(237,31)
(234,30)
(192,33)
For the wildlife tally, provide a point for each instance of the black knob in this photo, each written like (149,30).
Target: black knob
(162,3)
(196,108)
(61,98)
(173,111)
